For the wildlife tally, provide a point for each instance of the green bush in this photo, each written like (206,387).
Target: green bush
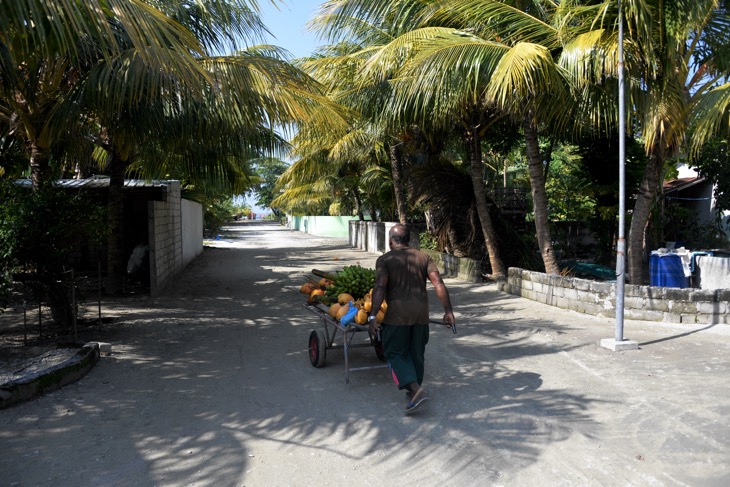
(39,230)
(427,241)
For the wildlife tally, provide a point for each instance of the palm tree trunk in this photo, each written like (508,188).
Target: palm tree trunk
(115,246)
(640,217)
(39,166)
(373,213)
(358,205)
(539,198)
(400,197)
(490,236)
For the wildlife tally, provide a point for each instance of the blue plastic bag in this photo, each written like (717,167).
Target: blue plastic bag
(350,315)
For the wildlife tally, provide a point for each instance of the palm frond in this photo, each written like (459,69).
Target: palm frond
(711,117)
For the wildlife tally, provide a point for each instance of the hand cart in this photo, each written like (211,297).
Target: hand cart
(322,340)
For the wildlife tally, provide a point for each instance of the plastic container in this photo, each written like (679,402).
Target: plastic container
(666,270)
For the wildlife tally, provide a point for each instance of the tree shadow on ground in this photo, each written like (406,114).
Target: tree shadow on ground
(220,362)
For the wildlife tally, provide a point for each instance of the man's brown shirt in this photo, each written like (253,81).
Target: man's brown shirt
(407,270)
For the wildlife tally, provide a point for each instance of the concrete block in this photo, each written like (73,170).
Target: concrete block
(594,309)
(657,304)
(528,294)
(555,281)
(539,287)
(676,294)
(619,346)
(712,308)
(572,294)
(633,302)
(644,315)
(555,291)
(683,307)
(671,318)
(603,288)
(709,319)
(582,284)
(632,290)
(542,277)
(103,346)
(723,295)
(655,292)
(703,295)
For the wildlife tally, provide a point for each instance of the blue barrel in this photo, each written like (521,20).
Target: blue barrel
(666,270)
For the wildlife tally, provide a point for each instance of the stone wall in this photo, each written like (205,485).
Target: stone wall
(649,303)
(457,267)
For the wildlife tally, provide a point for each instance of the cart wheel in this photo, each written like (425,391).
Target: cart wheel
(378,346)
(317,348)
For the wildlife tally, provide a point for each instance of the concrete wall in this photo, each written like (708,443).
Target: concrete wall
(649,303)
(461,268)
(175,237)
(373,236)
(322,226)
(192,230)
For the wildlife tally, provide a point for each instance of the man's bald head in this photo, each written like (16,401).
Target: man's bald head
(400,234)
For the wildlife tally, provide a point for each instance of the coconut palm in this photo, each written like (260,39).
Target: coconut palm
(473,77)
(376,25)
(47,48)
(362,33)
(677,71)
(141,77)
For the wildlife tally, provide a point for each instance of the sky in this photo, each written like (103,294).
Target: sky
(288,26)
(288,23)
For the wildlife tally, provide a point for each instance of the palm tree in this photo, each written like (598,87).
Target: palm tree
(134,75)
(340,68)
(677,71)
(48,48)
(465,60)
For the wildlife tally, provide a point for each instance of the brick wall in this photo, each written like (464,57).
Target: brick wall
(649,303)
(165,245)
(175,236)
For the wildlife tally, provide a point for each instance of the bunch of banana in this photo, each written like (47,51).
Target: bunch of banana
(355,280)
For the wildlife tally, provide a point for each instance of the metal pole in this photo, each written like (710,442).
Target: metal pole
(40,315)
(73,304)
(98,290)
(25,323)
(621,244)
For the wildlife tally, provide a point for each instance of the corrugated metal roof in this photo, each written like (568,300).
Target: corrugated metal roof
(681,183)
(98,183)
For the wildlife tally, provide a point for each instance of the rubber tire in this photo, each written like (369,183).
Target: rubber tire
(317,348)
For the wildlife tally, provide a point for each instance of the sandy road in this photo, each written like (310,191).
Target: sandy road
(211,385)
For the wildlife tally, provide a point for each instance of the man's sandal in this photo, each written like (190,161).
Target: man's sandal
(416,401)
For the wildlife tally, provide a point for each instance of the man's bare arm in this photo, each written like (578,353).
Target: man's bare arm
(381,283)
(443,294)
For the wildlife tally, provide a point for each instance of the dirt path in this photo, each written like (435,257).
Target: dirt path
(211,386)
